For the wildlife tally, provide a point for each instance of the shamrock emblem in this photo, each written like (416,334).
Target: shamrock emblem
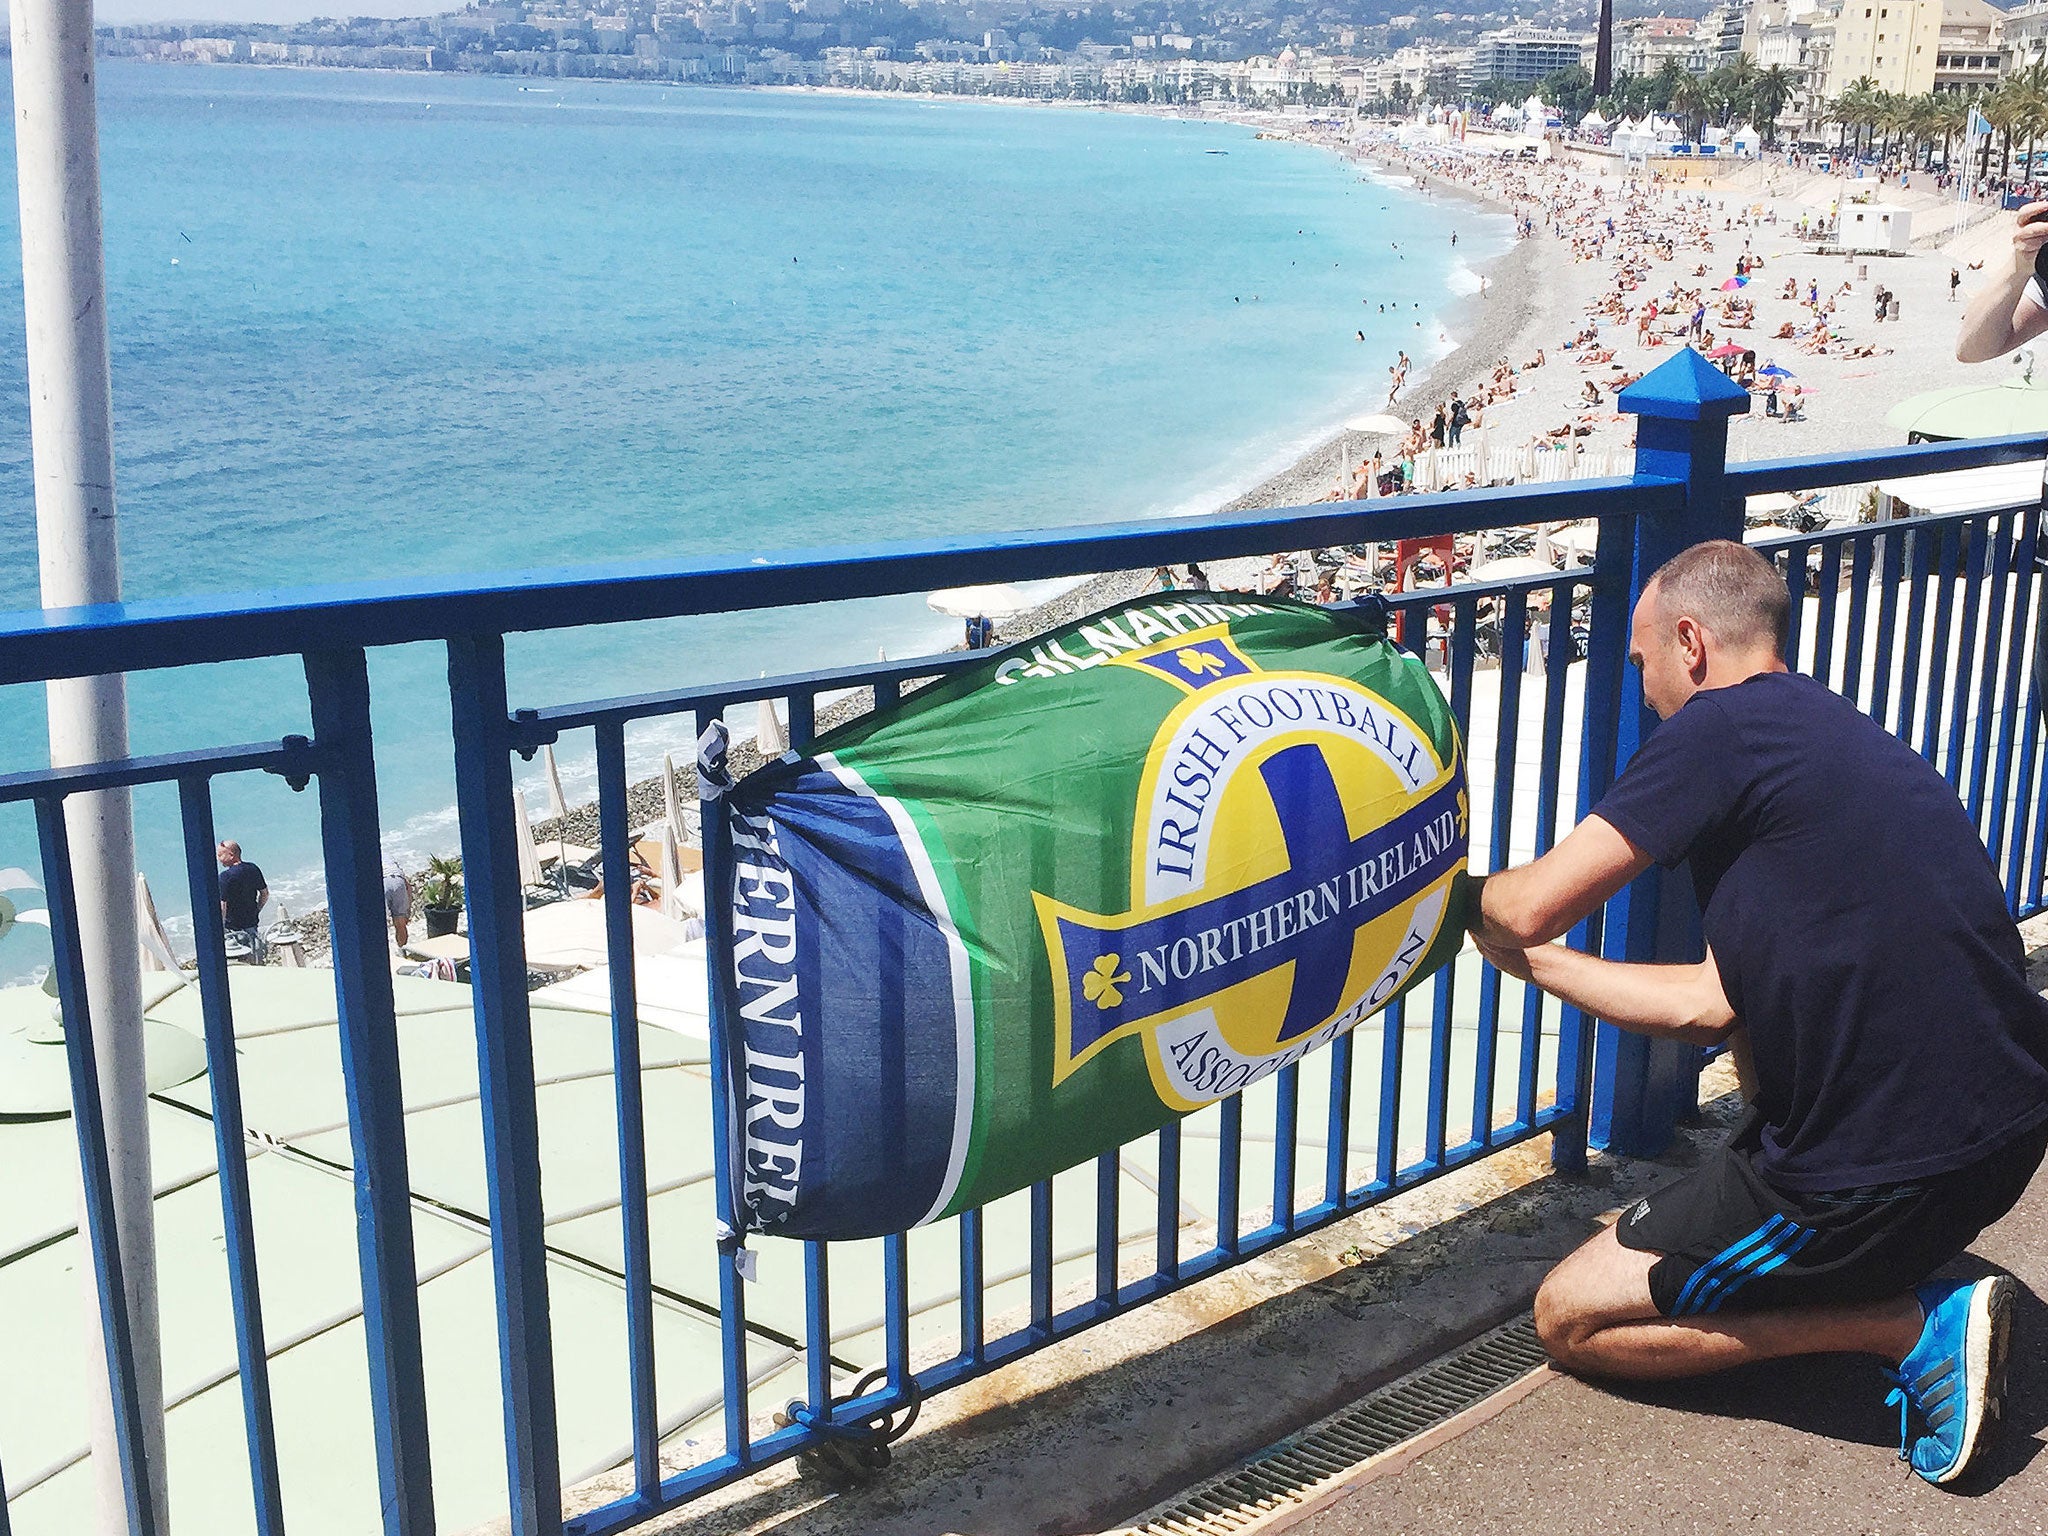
(1464,812)
(1103,984)
(1197,663)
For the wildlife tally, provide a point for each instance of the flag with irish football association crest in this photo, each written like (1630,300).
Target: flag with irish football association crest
(1050,903)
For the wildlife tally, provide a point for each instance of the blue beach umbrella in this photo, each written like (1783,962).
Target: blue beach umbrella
(1773,371)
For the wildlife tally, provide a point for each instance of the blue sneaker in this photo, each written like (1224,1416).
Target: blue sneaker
(1955,1377)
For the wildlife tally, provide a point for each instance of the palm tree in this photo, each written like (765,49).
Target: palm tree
(2006,109)
(1892,115)
(1768,94)
(1663,84)
(1690,100)
(1853,108)
(1738,85)
(1948,116)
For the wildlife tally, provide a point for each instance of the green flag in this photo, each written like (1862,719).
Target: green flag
(1047,905)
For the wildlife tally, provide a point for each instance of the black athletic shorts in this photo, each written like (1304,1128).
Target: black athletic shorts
(1732,1242)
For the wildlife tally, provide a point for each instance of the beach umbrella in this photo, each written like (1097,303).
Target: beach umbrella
(671,796)
(2009,407)
(1769,505)
(34,1079)
(1380,425)
(558,806)
(1526,470)
(1773,371)
(1735,282)
(672,903)
(1508,568)
(1571,457)
(769,735)
(1768,531)
(1728,349)
(999,600)
(529,857)
(157,954)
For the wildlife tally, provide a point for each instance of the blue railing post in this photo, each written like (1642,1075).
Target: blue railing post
(1642,1087)
(338,689)
(495,899)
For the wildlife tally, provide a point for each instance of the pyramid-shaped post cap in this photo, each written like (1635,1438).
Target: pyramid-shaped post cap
(1685,388)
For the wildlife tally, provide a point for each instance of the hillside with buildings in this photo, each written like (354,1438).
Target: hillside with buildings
(1364,54)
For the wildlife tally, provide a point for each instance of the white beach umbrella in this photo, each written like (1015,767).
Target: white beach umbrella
(1576,540)
(1526,471)
(529,858)
(1378,425)
(1571,461)
(1482,456)
(769,733)
(1508,569)
(998,600)
(157,954)
(671,797)
(672,903)
(558,805)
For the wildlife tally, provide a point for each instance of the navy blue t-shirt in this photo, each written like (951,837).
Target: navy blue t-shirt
(1860,931)
(238,887)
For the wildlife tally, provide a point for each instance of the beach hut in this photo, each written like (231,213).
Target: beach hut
(1880,229)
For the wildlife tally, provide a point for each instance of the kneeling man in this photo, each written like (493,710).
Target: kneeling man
(1858,938)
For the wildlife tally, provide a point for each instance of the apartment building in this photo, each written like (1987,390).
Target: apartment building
(1643,44)
(1523,53)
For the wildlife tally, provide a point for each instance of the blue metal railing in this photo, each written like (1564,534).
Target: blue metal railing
(1472,1064)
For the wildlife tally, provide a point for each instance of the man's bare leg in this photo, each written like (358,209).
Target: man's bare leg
(1595,1317)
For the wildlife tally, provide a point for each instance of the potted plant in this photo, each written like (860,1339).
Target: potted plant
(441,895)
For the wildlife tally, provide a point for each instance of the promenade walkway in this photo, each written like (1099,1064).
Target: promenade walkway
(1801,1446)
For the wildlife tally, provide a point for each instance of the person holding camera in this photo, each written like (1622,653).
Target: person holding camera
(2012,309)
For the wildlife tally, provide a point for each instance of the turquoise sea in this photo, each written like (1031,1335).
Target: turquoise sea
(374,325)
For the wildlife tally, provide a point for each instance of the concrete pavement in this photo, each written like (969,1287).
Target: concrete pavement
(1802,1446)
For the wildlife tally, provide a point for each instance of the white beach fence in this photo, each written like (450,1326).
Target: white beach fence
(1524,463)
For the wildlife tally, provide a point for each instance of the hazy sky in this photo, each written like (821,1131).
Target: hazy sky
(115,13)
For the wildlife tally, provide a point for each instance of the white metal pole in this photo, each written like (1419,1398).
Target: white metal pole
(71,430)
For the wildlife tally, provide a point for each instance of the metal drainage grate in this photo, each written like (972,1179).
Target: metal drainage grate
(1287,1474)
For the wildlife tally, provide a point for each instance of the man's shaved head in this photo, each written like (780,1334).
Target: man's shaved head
(1731,591)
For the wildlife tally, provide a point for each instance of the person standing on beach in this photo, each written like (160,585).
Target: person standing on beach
(1440,426)
(242,895)
(1459,419)
(397,901)
(1955,281)
(2011,310)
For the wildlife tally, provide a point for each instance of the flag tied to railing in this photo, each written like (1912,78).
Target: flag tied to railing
(1047,905)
